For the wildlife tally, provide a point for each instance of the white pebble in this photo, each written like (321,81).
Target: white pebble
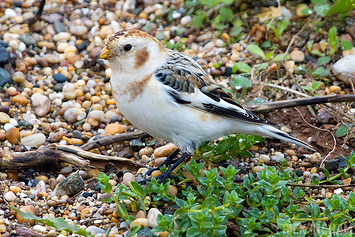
(7,126)
(185,20)
(10,13)
(10,196)
(34,140)
(152,217)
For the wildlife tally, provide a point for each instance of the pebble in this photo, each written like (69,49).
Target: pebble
(277,157)
(127,178)
(5,77)
(4,118)
(19,99)
(10,196)
(152,217)
(257,168)
(114,128)
(62,36)
(95,230)
(27,208)
(13,136)
(41,103)
(344,69)
(142,222)
(70,115)
(165,150)
(19,77)
(297,56)
(33,140)
(59,77)
(173,191)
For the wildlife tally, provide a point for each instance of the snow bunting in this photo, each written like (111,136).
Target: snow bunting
(168,95)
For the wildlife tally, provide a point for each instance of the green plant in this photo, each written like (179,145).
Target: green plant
(332,40)
(281,26)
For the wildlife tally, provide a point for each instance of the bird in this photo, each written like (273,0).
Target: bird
(168,95)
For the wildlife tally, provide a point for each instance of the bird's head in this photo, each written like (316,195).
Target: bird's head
(133,50)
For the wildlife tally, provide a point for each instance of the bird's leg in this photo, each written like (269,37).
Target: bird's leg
(162,177)
(168,161)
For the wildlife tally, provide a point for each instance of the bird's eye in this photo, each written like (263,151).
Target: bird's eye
(127,47)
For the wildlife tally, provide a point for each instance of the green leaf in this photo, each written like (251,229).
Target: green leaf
(240,81)
(136,188)
(255,49)
(346,45)
(134,230)
(262,66)
(226,14)
(323,60)
(279,57)
(196,21)
(341,6)
(316,85)
(282,25)
(332,36)
(243,67)
(341,131)
(235,31)
(322,9)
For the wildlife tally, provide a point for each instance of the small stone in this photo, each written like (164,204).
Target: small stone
(27,39)
(33,140)
(277,157)
(70,185)
(299,173)
(324,117)
(226,37)
(78,30)
(13,136)
(314,170)
(59,26)
(344,69)
(76,141)
(62,36)
(140,214)
(264,158)
(70,115)
(4,118)
(19,77)
(142,222)
(334,89)
(28,208)
(257,168)
(15,189)
(95,231)
(105,31)
(290,152)
(41,103)
(59,77)
(48,45)
(185,20)
(94,52)
(5,77)
(155,173)
(146,151)
(114,128)
(152,217)
(165,151)
(10,196)
(127,178)
(173,191)
(19,99)
(297,56)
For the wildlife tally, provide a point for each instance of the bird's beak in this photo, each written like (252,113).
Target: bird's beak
(105,52)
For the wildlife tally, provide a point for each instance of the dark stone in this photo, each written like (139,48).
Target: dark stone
(171,209)
(82,46)
(27,39)
(87,110)
(17,3)
(3,43)
(299,173)
(5,77)
(86,194)
(59,77)
(4,59)
(334,165)
(33,182)
(70,185)
(77,134)
(70,201)
(106,79)
(104,196)
(35,85)
(228,71)
(23,123)
(310,58)
(59,26)
(4,109)
(58,87)
(195,58)
(144,232)
(324,117)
